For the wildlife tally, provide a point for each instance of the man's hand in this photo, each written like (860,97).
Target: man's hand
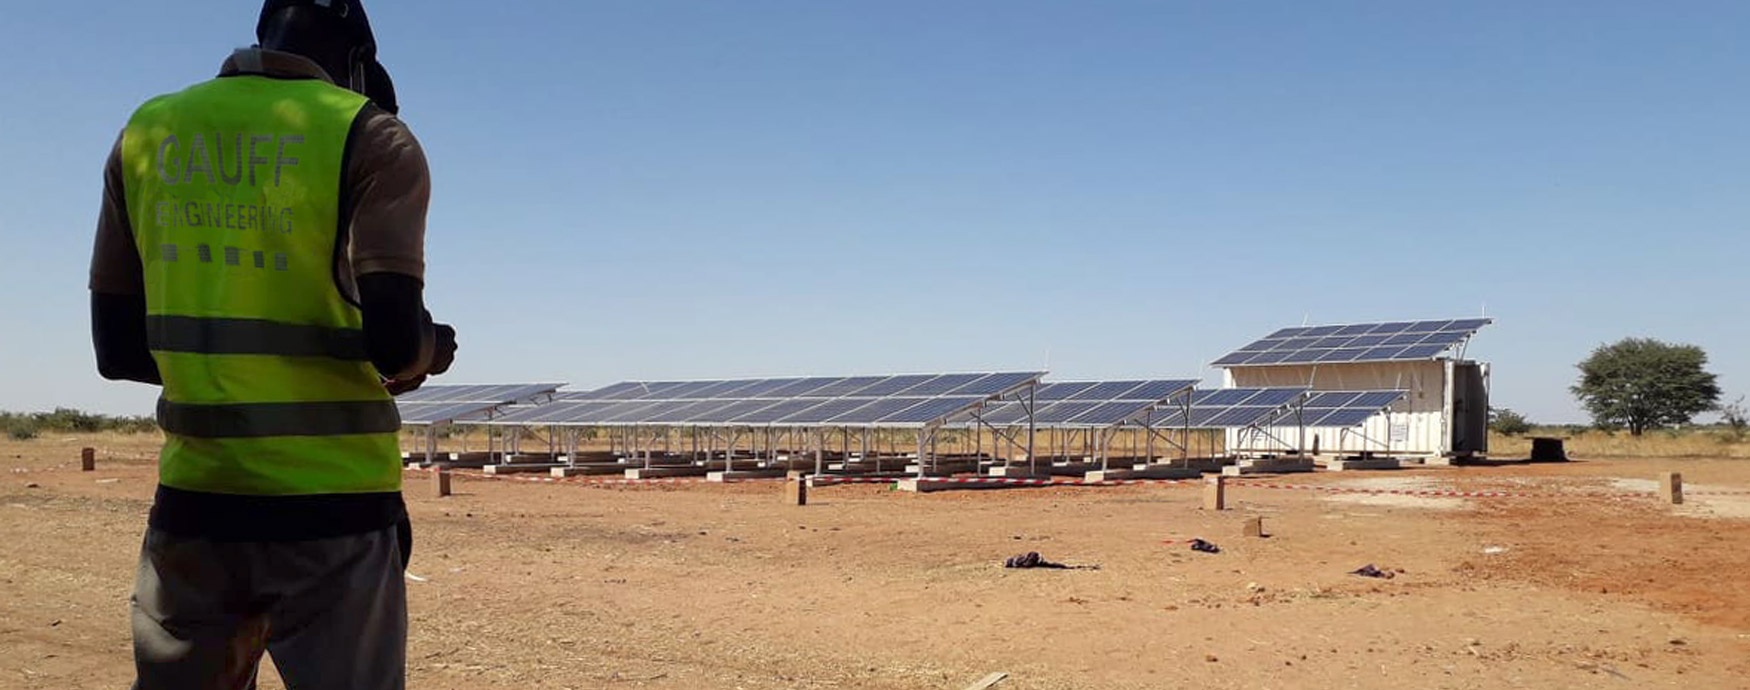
(399,386)
(444,351)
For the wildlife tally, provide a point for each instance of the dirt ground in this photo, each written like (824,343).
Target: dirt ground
(532,585)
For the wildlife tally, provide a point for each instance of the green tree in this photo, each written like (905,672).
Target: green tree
(1642,383)
(1508,422)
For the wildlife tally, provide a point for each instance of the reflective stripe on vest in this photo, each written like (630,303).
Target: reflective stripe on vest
(233,189)
(215,336)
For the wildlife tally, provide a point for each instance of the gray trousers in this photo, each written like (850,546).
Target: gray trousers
(332,612)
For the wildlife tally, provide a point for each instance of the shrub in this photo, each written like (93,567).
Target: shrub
(21,431)
(1507,422)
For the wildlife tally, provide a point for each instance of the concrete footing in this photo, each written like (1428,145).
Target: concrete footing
(1016,471)
(1269,466)
(1145,472)
(942,469)
(588,469)
(1199,464)
(1362,464)
(670,471)
(725,475)
(520,468)
(915,485)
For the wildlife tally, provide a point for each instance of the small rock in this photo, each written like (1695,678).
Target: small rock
(32,485)
(1472,642)
(55,623)
(1677,641)
(1210,658)
(1254,587)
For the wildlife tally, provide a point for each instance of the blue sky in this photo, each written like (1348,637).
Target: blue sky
(692,189)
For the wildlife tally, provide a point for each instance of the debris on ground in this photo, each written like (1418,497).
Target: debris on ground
(1204,546)
(1370,571)
(1032,559)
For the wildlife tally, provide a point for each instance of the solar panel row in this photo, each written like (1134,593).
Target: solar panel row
(1366,342)
(1086,404)
(498,394)
(895,411)
(866,387)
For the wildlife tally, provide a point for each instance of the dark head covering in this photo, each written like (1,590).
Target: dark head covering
(350,13)
(369,77)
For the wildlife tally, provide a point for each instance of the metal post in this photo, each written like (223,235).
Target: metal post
(1032,431)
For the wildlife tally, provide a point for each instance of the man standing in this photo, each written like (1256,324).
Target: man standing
(260,255)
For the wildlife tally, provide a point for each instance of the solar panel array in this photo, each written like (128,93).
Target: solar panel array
(1227,408)
(1362,342)
(502,394)
(439,404)
(1338,408)
(900,401)
(1085,404)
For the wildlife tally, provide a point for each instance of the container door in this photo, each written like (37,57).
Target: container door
(1470,409)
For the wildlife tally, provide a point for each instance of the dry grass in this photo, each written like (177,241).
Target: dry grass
(1707,443)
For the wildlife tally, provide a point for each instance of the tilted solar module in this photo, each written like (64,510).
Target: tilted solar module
(941,385)
(825,410)
(845,386)
(892,385)
(997,383)
(420,414)
(1366,342)
(931,410)
(723,416)
(874,411)
(1062,390)
(777,411)
(1226,408)
(1085,404)
(690,409)
(1337,409)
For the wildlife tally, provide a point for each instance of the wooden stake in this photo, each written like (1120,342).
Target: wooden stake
(1215,493)
(1254,527)
(1671,487)
(440,481)
(87,459)
(796,492)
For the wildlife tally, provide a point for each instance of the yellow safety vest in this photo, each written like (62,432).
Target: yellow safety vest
(234,191)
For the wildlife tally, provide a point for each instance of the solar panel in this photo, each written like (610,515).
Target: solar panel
(1338,408)
(1110,413)
(873,411)
(728,413)
(777,411)
(1365,342)
(941,384)
(757,389)
(824,411)
(846,386)
(640,413)
(808,387)
(892,385)
(1107,390)
(932,410)
(998,383)
(1061,391)
(420,414)
(693,409)
(1062,412)
(1224,408)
